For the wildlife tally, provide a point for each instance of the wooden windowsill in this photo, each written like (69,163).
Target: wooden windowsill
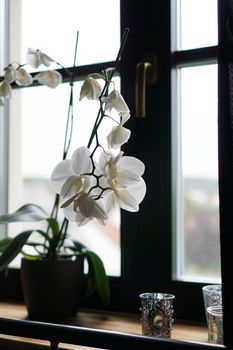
(112,321)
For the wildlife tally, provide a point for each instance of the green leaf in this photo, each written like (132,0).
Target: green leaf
(14,248)
(53,224)
(44,234)
(4,243)
(79,247)
(35,244)
(28,212)
(56,237)
(30,256)
(98,278)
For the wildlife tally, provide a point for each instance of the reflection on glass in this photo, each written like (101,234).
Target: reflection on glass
(198,23)
(51,26)
(38,119)
(199,167)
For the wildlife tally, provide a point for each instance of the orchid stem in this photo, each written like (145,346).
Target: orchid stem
(105,88)
(76,47)
(67,139)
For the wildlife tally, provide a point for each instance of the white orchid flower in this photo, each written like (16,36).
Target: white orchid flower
(84,208)
(49,78)
(124,177)
(5,89)
(115,100)
(127,199)
(90,89)
(90,208)
(122,170)
(124,117)
(35,58)
(118,136)
(22,77)
(70,178)
(10,73)
(18,74)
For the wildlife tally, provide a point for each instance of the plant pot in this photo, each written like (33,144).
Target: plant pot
(52,288)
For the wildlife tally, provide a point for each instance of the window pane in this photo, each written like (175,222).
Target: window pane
(51,26)
(199,211)
(198,23)
(38,120)
(38,115)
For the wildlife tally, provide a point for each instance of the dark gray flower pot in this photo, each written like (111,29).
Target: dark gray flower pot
(52,288)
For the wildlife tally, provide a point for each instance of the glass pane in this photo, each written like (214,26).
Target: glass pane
(37,135)
(199,172)
(198,23)
(51,26)
(3,119)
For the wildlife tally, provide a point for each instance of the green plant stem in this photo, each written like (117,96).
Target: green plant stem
(69,123)
(67,140)
(70,117)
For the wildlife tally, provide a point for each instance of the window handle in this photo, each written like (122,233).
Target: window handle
(146,74)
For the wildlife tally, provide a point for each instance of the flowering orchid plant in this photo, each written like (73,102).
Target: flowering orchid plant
(85,188)
(15,72)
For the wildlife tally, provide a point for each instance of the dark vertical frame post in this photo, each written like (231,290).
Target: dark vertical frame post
(225,108)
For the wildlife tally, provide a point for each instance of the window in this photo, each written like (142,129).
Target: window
(155,243)
(36,141)
(195,143)
(146,237)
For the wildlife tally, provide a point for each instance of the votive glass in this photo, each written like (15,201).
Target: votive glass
(215,327)
(212,295)
(157,314)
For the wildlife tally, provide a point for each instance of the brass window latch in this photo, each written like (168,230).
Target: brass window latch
(146,74)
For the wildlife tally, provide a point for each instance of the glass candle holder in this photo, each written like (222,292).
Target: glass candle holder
(212,295)
(215,328)
(157,314)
